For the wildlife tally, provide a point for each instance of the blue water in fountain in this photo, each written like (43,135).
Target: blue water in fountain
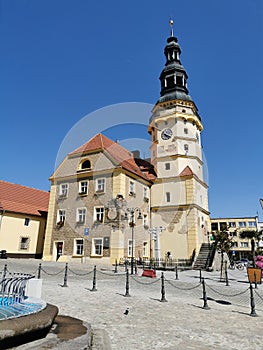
(10,307)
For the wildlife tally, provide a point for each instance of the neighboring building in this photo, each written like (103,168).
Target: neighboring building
(91,192)
(93,187)
(23,214)
(242,246)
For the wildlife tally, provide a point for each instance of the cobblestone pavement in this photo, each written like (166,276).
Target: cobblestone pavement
(181,323)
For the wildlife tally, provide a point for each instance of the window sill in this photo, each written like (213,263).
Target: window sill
(96,256)
(83,194)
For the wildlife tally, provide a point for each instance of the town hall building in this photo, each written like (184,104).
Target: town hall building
(107,203)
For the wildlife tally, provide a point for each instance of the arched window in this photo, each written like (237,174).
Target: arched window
(86,164)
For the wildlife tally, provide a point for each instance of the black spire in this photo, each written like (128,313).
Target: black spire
(173,77)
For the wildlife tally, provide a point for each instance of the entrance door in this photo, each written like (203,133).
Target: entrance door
(59,248)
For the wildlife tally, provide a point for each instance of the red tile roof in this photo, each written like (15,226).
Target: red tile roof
(118,154)
(187,171)
(21,199)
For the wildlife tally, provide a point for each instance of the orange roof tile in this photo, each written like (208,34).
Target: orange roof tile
(119,154)
(21,199)
(187,172)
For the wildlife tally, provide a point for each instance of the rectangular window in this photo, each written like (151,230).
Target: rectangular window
(167,166)
(83,187)
(214,226)
(186,131)
(223,226)
(26,222)
(186,148)
(168,196)
(78,246)
(61,217)
(100,185)
(99,214)
(132,188)
(251,224)
(63,190)
(97,246)
(146,194)
(242,224)
(235,245)
(232,224)
(24,243)
(145,249)
(243,244)
(130,247)
(145,221)
(81,215)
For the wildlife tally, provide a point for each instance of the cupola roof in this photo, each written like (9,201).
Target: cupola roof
(173,76)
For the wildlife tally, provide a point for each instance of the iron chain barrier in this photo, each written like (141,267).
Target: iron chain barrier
(202,290)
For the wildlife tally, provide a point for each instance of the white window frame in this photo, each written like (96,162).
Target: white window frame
(243,244)
(100,184)
(61,215)
(24,245)
(242,224)
(81,215)
(26,221)
(63,189)
(132,188)
(252,224)
(98,212)
(82,187)
(145,249)
(94,240)
(146,193)
(145,220)
(79,247)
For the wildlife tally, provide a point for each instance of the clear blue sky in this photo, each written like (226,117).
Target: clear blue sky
(63,59)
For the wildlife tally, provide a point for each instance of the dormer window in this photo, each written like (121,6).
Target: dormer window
(86,164)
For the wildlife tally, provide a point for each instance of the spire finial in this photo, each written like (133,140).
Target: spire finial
(171,27)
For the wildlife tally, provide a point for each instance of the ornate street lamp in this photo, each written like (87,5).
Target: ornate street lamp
(132,212)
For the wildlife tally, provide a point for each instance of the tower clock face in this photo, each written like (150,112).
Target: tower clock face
(166,134)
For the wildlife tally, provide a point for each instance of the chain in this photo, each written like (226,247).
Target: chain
(227,295)
(80,274)
(170,282)
(52,274)
(112,274)
(145,283)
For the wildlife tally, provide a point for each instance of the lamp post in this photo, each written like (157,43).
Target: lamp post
(132,211)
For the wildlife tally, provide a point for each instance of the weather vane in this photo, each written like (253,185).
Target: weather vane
(171,27)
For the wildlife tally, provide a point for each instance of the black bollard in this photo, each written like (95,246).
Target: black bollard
(94,289)
(39,271)
(255,280)
(227,284)
(162,289)
(127,293)
(66,276)
(176,272)
(206,307)
(125,263)
(116,266)
(200,275)
(252,302)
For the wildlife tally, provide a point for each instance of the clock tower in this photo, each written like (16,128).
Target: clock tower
(179,195)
